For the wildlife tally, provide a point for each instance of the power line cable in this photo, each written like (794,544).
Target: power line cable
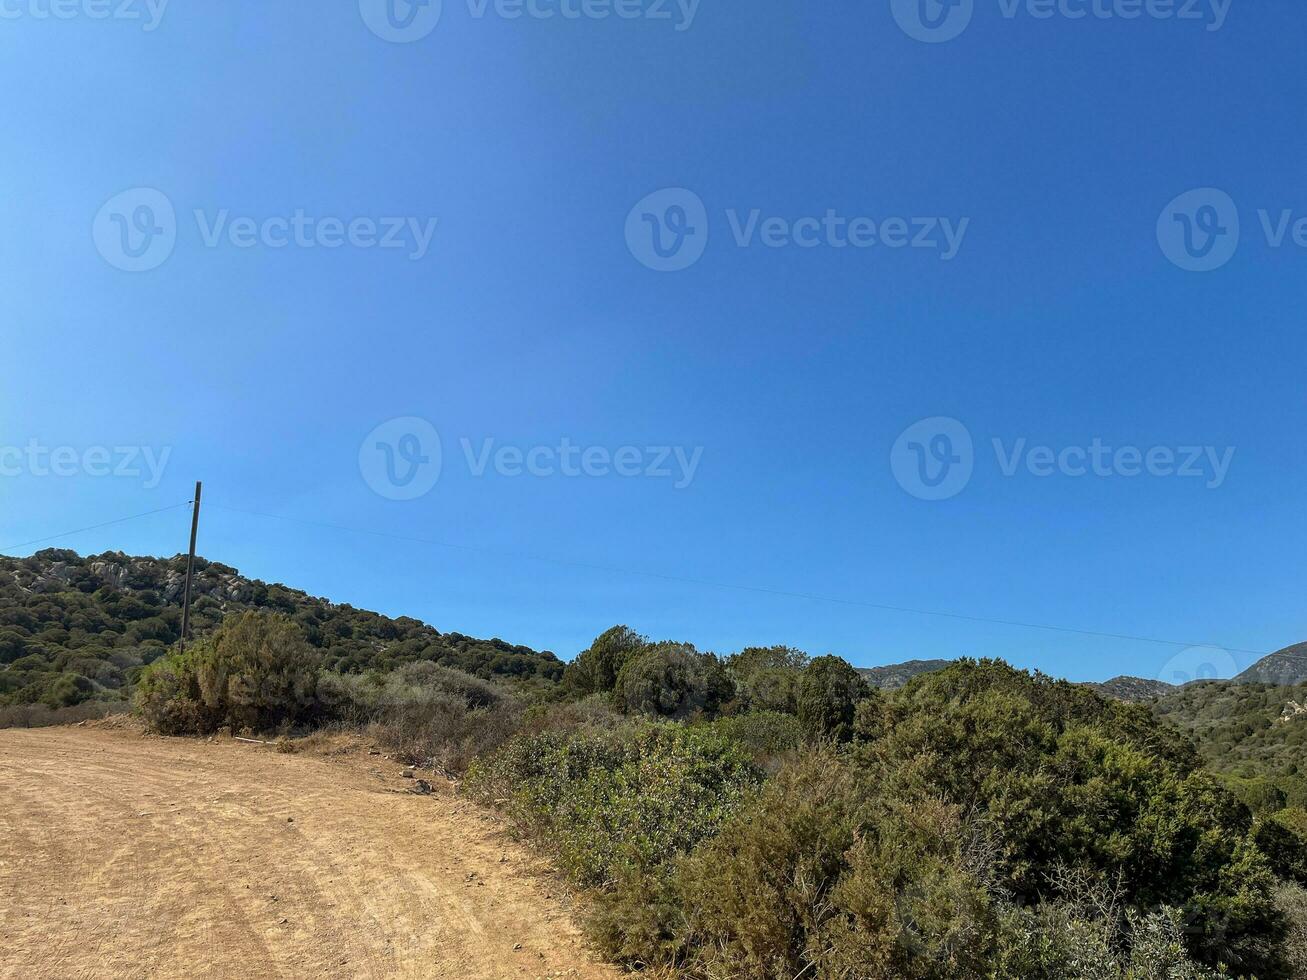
(93,527)
(758,590)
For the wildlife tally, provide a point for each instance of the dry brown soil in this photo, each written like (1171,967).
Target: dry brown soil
(130,856)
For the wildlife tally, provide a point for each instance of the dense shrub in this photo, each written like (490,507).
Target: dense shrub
(767,678)
(1280,837)
(595,670)
(672,680)
(425,714)
(827,697)
(768,736)
(984,824)
(1292,900)
(75,629)
(1073,780)
(617,802)
(256,672)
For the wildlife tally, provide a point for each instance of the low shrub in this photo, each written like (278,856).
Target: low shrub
(425,714)
(256,672)
(610,804)
(768,736)
(1292,900)
(43,716)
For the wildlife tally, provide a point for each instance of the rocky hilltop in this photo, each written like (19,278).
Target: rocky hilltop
(893,676)
(1285,667)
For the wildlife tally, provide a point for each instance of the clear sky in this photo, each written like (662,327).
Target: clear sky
(786,361)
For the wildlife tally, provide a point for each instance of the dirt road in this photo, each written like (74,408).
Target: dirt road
(126,856)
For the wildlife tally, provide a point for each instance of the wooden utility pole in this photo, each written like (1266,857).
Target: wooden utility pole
(190,568)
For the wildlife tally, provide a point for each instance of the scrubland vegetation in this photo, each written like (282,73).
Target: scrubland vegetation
(766,815)
(77,630)
(760,815)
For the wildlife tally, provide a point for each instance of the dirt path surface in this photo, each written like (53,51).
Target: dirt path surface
(125,856)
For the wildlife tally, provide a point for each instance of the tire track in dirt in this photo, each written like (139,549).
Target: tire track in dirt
(123,856)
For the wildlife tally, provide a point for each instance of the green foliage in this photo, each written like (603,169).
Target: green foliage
(1282,837)
(981,823)
(767,736)
(672,680)
(1074,780)
(828,694)
(759,894)
(1292,900)
(75,629)
(767,678)
(256,672)
(595,670)
(1250,730)
(620,802)
(427,715)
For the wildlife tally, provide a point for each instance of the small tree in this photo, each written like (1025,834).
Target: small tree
(828,696)
(767,678)
(594,671)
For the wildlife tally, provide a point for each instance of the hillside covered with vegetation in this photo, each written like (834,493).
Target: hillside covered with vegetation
(76,629)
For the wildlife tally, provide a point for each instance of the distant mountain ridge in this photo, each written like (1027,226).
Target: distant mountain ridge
(1285,668)
(893,676)
(1134,689)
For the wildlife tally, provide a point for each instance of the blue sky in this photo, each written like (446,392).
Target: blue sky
(789,373)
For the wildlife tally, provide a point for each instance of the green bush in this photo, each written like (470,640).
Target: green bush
(618,802)
(595,670)
(766,735)
(672,680)
(256,672)
(1281,838)
(427,715)
(1073,780)
(828,694)
(1292,900)
(767,678)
